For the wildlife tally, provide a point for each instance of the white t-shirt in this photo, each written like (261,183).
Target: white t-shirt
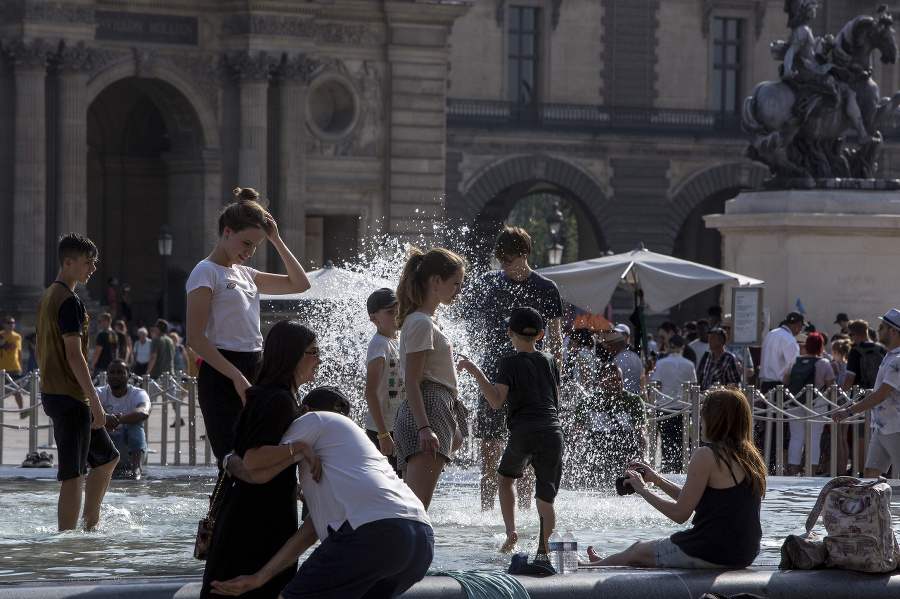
(421,333)
(631,366)
(141,351)
(358,484)
(779,349)
(699,348)
(886,415)
(134,399)
(233,322)
(391,391)
(672,372)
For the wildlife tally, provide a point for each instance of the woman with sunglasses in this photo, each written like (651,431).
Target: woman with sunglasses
(223,312)
(724,488)
(259,513)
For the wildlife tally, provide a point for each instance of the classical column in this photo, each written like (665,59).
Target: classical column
(72,65)
(252,75)
(28,60)
(291,193)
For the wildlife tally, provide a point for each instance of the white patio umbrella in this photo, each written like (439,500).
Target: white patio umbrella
(335,284)
(664,280)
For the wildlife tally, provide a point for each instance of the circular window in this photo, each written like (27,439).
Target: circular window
(332,108)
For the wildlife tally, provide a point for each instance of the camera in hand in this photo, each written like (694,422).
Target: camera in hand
(622,488)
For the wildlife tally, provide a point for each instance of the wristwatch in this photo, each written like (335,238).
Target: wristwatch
(849,410)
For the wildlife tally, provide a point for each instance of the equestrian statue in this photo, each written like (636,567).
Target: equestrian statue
(797,125)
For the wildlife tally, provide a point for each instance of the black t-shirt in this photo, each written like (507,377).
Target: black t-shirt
(494,295)
(855,362)
(533,398)
(108,341)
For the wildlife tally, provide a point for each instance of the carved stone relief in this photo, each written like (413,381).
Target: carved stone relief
(343,33)
(243,66)
(26,56)
(366,138)
(48,12)
(298,70)
(76,59)
(205,71)
(145,60)
(269,25)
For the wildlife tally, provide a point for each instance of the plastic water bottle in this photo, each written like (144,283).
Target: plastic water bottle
(570,553)
(557,558)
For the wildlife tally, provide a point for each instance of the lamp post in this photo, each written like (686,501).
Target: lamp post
(164,244)
(554,225)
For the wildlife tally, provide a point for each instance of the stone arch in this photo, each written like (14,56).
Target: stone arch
(698,186)
(190,102)
(482,205)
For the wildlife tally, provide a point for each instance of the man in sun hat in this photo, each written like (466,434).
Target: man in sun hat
(884,401)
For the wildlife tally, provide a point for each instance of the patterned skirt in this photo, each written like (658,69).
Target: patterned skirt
(439,406)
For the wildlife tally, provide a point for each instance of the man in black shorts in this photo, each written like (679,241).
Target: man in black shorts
(494,295)
(67,392)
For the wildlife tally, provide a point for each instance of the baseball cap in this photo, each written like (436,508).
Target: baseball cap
(842,316)
(793,317)
(622,328)
(892,318)
(327,399)
(526,322)
(381,299)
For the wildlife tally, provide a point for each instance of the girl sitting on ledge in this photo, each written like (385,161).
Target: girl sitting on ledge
(725,484)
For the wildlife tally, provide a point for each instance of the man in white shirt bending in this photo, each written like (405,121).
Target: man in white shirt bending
(357,508)
(779,349)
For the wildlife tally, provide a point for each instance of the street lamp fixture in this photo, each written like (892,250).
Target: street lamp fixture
(554,225)
(164,244)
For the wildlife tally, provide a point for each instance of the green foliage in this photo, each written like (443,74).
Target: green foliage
(530,213)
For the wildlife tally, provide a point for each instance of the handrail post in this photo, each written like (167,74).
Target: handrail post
(170,386)
(779,431)
(192,421)
(694,427)
(835,432)
(2,397)
(33,416)
(809,392)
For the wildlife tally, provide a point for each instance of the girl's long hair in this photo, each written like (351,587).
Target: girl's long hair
(420,267)
(728,424)
(282,351)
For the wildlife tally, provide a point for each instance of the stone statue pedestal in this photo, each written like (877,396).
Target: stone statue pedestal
(837,250)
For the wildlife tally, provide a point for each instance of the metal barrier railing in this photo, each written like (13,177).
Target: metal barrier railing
(168,391)
(771,411)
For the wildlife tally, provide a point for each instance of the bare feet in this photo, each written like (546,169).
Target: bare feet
(592,555)
(511,539)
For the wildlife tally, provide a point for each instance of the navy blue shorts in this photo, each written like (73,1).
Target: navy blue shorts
(378,560)
(541,449)
(76,442)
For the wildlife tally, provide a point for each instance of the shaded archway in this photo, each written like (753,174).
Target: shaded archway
(146,169)
(495,190)
(706,193)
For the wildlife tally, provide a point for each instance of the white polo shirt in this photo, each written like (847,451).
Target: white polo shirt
(672,372)
(779,349)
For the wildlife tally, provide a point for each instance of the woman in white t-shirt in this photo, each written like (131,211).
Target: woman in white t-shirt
(426,423)
(223,312)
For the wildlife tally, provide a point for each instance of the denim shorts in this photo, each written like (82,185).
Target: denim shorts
(670,555)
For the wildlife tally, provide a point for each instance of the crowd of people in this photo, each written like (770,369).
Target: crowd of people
(363,486)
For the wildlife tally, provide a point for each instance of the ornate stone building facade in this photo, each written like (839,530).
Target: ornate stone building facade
(362,117)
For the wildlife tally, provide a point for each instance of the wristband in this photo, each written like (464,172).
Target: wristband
(291,449)
(849,411)
(385,435)
(424,427)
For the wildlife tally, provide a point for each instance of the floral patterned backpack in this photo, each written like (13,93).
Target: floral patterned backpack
(858,521)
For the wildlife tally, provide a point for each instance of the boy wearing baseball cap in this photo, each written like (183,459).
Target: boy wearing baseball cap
(529,381)
(384,379)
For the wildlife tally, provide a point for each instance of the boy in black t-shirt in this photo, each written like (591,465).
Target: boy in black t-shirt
(529,382)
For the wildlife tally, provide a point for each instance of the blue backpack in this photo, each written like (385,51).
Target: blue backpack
(803,373)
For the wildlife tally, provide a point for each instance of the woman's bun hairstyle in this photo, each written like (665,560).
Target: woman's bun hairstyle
(244,213)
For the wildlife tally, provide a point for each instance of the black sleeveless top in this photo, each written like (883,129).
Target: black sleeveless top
(726,527)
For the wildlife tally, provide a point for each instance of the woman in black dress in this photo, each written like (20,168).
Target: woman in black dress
(259,515)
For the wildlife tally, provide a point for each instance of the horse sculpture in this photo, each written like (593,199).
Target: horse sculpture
(798,132)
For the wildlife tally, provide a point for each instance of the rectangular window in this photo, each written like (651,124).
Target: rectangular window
(727,64)
(523,54)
